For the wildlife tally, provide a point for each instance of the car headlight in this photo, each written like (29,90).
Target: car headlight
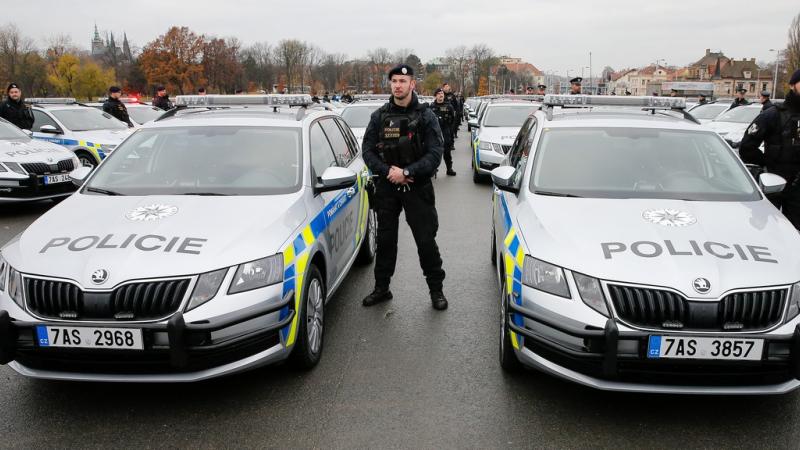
(591,293)
(15,287)
(3,168)
(16,168)
(544,277)
(257,274)
(3,267)
(486,146)
(794,302)
(206,288)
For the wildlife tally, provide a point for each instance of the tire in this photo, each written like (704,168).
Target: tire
(310,327)
(508,359)
(494,246)
(476,177)
(369,245)
(86,159)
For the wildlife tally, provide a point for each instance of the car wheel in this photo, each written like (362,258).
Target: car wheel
(494,247)
(508,359)
(310,328)
(476,176)
(86,160)
(369,245)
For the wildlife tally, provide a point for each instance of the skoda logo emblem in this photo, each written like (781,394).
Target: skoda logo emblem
(99,276)
(701,285)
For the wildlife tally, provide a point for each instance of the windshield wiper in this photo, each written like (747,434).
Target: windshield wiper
(556,194)
(102,191)
(204,194)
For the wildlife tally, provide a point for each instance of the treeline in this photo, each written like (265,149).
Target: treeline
(184,61)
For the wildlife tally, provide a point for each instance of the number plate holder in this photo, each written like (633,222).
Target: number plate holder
(89,337)
(707,348)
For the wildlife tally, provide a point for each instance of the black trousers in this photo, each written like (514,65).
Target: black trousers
(788,201)
(419,206)
(448,153)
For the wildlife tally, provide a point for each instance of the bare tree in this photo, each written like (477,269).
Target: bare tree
(289,55)
(400,55)
(259,65)
(378,58)
(483,58)
(13,48)
(458,58)
(793,47)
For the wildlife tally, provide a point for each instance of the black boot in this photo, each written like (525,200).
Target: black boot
(438,300)
(451,172)
(378,295)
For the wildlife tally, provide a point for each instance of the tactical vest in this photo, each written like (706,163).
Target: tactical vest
(400,135)
(790,131)
(442,112)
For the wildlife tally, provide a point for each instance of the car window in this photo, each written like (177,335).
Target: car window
(739,115)
(40,119)
(350,137)
(709,111)
(321,152)
(144,114)
(507,115)
(521,158)
(639,163)
(88,119)
(341,149)
(358,116)
(10,132)
(516,148)
(216,160)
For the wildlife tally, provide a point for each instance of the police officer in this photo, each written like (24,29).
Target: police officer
(779,129)
(575,86)
(201,91)
(14,109)
(161,100)
(739,100)
(529,90)
(542,90)
(702,100)
(450,98)
(446,115)
(347,98)
(765,102)
(402,148)
(116,108)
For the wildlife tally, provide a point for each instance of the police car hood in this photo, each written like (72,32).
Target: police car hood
(665,242)
(32,150)
(125,236)
(499,135)
(729,130)
(107,137)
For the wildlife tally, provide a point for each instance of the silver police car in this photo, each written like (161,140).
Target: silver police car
(637,253)
(205,245)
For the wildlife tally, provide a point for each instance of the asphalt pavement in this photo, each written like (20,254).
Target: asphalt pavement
(395,375)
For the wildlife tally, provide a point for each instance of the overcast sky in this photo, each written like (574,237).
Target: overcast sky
(554,35)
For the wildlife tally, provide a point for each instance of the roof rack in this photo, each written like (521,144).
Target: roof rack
(51,100)
(588,101)
(206,101)
(368,97)
(131,100)
(505,97)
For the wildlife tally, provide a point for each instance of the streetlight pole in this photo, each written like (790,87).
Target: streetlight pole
(775,80)
(591,79)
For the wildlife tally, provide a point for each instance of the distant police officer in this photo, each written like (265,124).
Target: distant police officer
(542,90)
(450,98)
(201,91)
(347,98)
(403,147)
(116,108)
(575,85)
(779,129)
(14,109)
(161,100)
(446,115)
(702,100)
(529,90)
(765,102)
(740,100)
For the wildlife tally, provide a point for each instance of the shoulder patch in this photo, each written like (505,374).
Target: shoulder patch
(752,129)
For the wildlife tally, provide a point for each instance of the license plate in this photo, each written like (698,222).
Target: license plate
(53,179)
(688,347)
(89,337)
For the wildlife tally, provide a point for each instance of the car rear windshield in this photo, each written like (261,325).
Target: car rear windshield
(739,115)
(219,160)
(88,119)
(508,116)
(358,116)
(9,131)
(639,163)
(142,114)
(708,112)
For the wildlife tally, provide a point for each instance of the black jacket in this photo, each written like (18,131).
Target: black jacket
(738,102)
(162,102)
(767,105)
(447,119)
(771,127)
(432,144)
(17,113)
(117,109)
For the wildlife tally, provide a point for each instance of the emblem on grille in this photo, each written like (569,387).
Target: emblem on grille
(99,276)
(701,285)
(669,217)
(151,212)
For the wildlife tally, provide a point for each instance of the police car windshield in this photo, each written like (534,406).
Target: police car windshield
(639,163)
(358,116)
(87,119)
(10,132)
(144,114)
(708,111)
(508,116)
(220,160)
(739,115)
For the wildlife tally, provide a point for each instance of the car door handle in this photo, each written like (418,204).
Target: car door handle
(351,192)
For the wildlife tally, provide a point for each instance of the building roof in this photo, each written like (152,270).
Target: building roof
(736,69)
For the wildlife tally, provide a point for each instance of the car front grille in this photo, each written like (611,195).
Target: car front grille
(43,168)
(136,301)
(505,148)
(658,308)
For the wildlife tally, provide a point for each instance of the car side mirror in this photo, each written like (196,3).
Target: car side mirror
(49,129)
(771,183)
(336,178)
(503,178)
(78,176)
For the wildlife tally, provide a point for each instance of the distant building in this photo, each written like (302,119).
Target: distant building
(727,74)
(107,48)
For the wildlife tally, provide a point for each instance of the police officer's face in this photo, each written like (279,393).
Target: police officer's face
(439,97)
(446,88)
(795,88)
(14,94)
(402,85)
(575,88)
(115,95)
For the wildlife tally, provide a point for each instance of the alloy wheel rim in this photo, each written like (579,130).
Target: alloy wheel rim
(314,316)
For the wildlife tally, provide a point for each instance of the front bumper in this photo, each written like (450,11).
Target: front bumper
(615,360)
(174,351)
(32,189)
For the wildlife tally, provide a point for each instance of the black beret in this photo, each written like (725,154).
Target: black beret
(401,69)
(12,86)
(576,80)
(795,77)
(438,90)
(742,90)
(114,89)
(160,87)
(765,93)
(541,86)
